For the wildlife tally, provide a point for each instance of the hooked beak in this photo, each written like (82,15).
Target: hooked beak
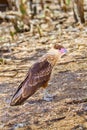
(63,52)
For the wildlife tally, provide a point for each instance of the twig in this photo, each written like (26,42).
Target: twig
(77,101)
(56,119)
(63,63)
(12,76)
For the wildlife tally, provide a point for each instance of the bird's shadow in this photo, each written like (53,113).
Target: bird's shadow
(35,101)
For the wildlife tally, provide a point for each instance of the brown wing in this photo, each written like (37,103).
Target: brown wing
(37,76)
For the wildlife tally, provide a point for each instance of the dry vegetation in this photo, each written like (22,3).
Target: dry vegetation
(22,44)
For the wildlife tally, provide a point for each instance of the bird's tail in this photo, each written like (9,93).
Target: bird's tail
(18,98)
(22,93)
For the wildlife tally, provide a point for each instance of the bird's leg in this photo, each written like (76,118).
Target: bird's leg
(47,96)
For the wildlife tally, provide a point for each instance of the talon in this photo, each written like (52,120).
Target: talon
(48,98)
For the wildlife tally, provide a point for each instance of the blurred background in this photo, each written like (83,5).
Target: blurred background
(28,29)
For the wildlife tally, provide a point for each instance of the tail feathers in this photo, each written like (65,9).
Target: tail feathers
(17,98)
(23,92)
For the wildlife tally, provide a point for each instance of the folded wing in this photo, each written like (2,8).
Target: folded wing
(37,76)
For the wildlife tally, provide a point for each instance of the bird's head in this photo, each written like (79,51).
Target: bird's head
(60,50)
(57,53)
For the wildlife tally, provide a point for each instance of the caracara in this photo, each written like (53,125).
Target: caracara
(38,76)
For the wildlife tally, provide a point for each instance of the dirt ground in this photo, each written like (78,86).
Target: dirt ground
(68,84)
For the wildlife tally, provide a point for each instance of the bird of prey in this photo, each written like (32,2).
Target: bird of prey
(38,76)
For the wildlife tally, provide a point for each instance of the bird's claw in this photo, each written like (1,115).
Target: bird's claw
(48,98)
